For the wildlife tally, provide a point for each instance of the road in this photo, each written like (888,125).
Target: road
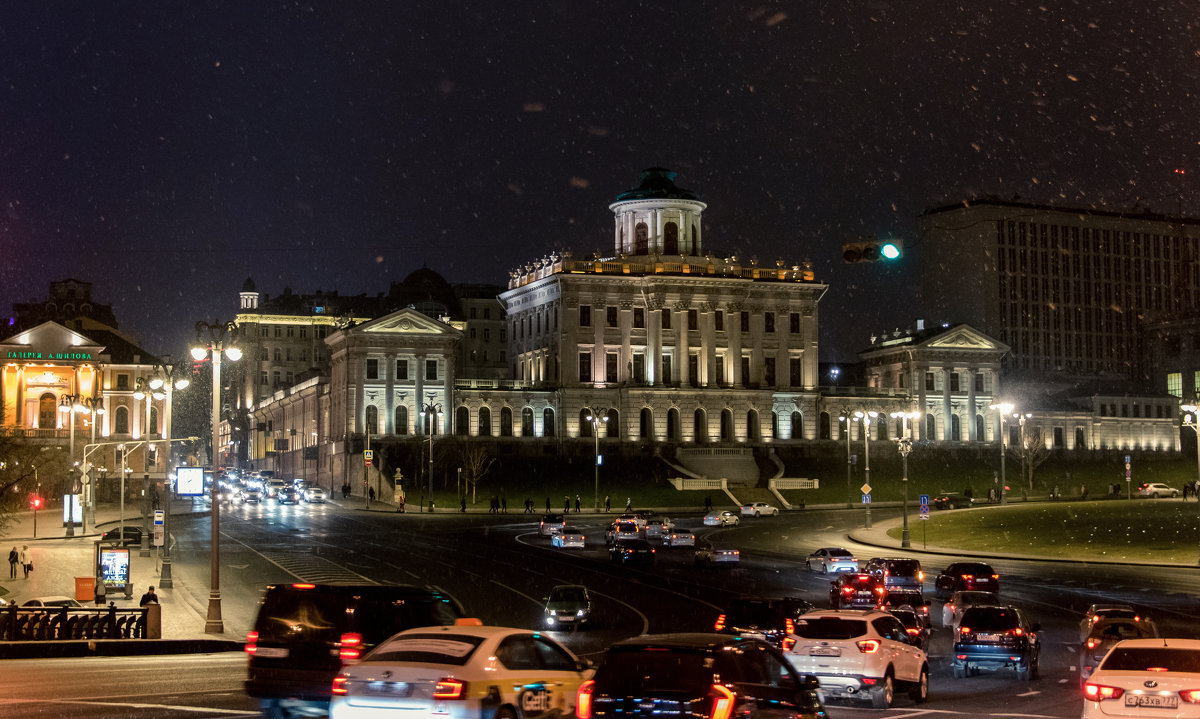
(500,569)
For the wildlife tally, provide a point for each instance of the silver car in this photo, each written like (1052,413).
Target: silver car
(314,495)
(830,560)
(708,555)
(679,538)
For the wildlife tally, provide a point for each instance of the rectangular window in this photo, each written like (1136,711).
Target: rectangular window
(719,371)
(503,334)
(745,322)
(473,311)
(639,318)
(487,335)
(745,370)
(278,332)
(431,369)
(693,320)
(719,321)
(978,382)
(262,377)
(666,369)
(794,323)
(291,331)
(1175,384)
(666,319)
(471,333)
(487,313)
(264,332)
(639,367)
(585,315)
(954,382)
(372,369)
(402,370)
(275,378)
(769,322)
(693,369)
(303,332)
(122,381)
(796,371)
(929,383)
(585,366)
(610,316)
(769,372)
(610,366)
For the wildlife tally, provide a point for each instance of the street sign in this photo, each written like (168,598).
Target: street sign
(866,499)
(159,517)
(369,454)
(924,500)
(160,535)
(368,461)
(866,488)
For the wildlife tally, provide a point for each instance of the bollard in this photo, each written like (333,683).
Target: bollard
(153,621)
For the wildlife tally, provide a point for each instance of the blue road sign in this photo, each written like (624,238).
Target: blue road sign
(866,499)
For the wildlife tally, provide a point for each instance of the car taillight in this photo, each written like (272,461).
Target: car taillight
(789,626)
(968,577)
(920,576)
(868,646)
(304,586)
(1091,643)
(339,685)
(720,623)
(912,630)
(450,688)
(788,643)
(583,700)
(995,576)
(1191,696)
(251,642)
(1016,631)
(722,702)
(1099,692)
(847,590)
(350,646)
(964,630)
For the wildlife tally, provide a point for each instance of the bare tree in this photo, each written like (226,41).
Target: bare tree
(475,463)
(25,470)
(1031,452)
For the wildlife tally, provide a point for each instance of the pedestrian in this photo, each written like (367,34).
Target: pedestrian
(26,560)
(101,590)
(566,504)
(1083,491)
(401,502)
(607,504)
(149,597)
(628,504)
(577,504)
(503,504)
(462,504)
(13,557)
(547,505)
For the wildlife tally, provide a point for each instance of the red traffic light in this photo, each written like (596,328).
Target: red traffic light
(35,502)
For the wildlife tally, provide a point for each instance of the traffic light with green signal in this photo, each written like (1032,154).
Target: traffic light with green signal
(872,250)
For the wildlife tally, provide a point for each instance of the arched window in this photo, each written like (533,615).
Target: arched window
(47,411)
(979,427)
(548,422)
(882,433)
(613,425)
(372,419)
(700,427)
(641,239)
(646,424)
(462,421)
(930,428)
(121,421)
(400,417)
(753,429)
(1080,439)
(774,425)
(826,431)
(798,426)
(671,239)
(673,425)
(527,422)
(153,428)
(506,422)
(485,422)
(955,428)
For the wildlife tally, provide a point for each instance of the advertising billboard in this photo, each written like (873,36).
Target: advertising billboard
(72,510)
(189,481)
(114,567)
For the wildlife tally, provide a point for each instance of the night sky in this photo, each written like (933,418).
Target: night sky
(167,151)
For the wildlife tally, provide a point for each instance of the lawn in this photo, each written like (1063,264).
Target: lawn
(1162,531)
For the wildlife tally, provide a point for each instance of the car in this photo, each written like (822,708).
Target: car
(465,670)
(53,600)
(758,509)
(697,675)
(771,620)
(897,572)
(721,518)
(857,591)
(832,559)
(860,654)
(621,531)
(958,602)
(914,623)
(305,634)
(952,500)
(132,535)
(1097,612)
(272,487)
(995,637)
(569,537)
(1103,635)
(632,551)
(299,483)
(911,598)
(1145,678)
(679,538)
(657,527)
(248,495)
(964,576)
(287,495)
(568,605)
(1155,490)
(550,524)
(707,554)
(313,494)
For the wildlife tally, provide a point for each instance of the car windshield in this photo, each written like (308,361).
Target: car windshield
(1142,659)
(977,598)
(638,671)
(903,567)
(913,599)
(990,619)
(751,612)
(572,594)
(977,570)
(840,553)
(830,628)
(1120,630)
(451,649)
(1116,614)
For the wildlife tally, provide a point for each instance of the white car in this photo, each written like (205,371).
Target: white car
(759,509)
(708,555)
(459,672)
(658,527)
(828,560)
(1154,490)
(1145,678)
(313,495)
(679,538)
(958,602)
(721,518)
(859,654)
(568,538)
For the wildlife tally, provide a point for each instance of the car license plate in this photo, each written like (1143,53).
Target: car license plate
(1160,701)
(754,635)
(271,652)
(825,652)
(988,637)
(399,689)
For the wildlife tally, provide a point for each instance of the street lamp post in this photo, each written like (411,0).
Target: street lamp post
(95,407)
(165,380)
(1003,408)
(149,389)
(71,404)
(847,418)
(221,338)
(599,416)
(866,418)
(431,413)
(1190,421)
(904,446)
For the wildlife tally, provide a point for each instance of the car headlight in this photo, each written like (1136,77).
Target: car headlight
(579,613)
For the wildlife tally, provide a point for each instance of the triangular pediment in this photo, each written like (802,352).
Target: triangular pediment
(963,337)
(50,342)
(406,321)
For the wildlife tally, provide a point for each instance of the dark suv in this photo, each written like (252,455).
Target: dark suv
(305,633)
(857,591)
(996,637)
(768,619)
(966,576)
(897,573)
(697,675)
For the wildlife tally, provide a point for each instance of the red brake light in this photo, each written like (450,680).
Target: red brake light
(722,702)
(339,685)
(789,626)
(351,646)
(1191,696)
(1099,692)
(968,576)
(450,688)
(251,642)
(912,630)
(995,576)
(964,630)
(1091,643)
(1017,631)
(868,646)
(303,586)
(583,700)
(720,623)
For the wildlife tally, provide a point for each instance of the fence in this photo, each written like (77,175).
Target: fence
(47,623)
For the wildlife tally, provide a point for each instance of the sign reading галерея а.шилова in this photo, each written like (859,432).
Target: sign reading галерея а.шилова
(52,356)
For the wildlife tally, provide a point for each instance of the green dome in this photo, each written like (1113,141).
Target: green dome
(658,183)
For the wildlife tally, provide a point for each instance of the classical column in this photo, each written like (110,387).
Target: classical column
(448,400)
(625,323)
(654,345)
(420,399)
(734,328)
(387,426)
(947,410)
(708,345)
(679,320)
(971,434)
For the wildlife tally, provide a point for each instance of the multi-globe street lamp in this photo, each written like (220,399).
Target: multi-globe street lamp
(1003,408)
(866,418)
(160,385)
(221,338)
(598,417)
(904,446)
(431,413)
(1190,420)
(95,407)
(70,404)
(847,418)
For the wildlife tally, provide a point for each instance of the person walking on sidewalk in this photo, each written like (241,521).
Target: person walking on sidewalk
(13,556)
(101,590)
(577,504)
(26,560)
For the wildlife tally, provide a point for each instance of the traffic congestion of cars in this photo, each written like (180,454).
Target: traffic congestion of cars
(246,488)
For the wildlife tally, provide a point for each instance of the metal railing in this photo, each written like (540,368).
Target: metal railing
(58,623)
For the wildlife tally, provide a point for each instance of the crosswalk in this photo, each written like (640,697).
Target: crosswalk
(309,567)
